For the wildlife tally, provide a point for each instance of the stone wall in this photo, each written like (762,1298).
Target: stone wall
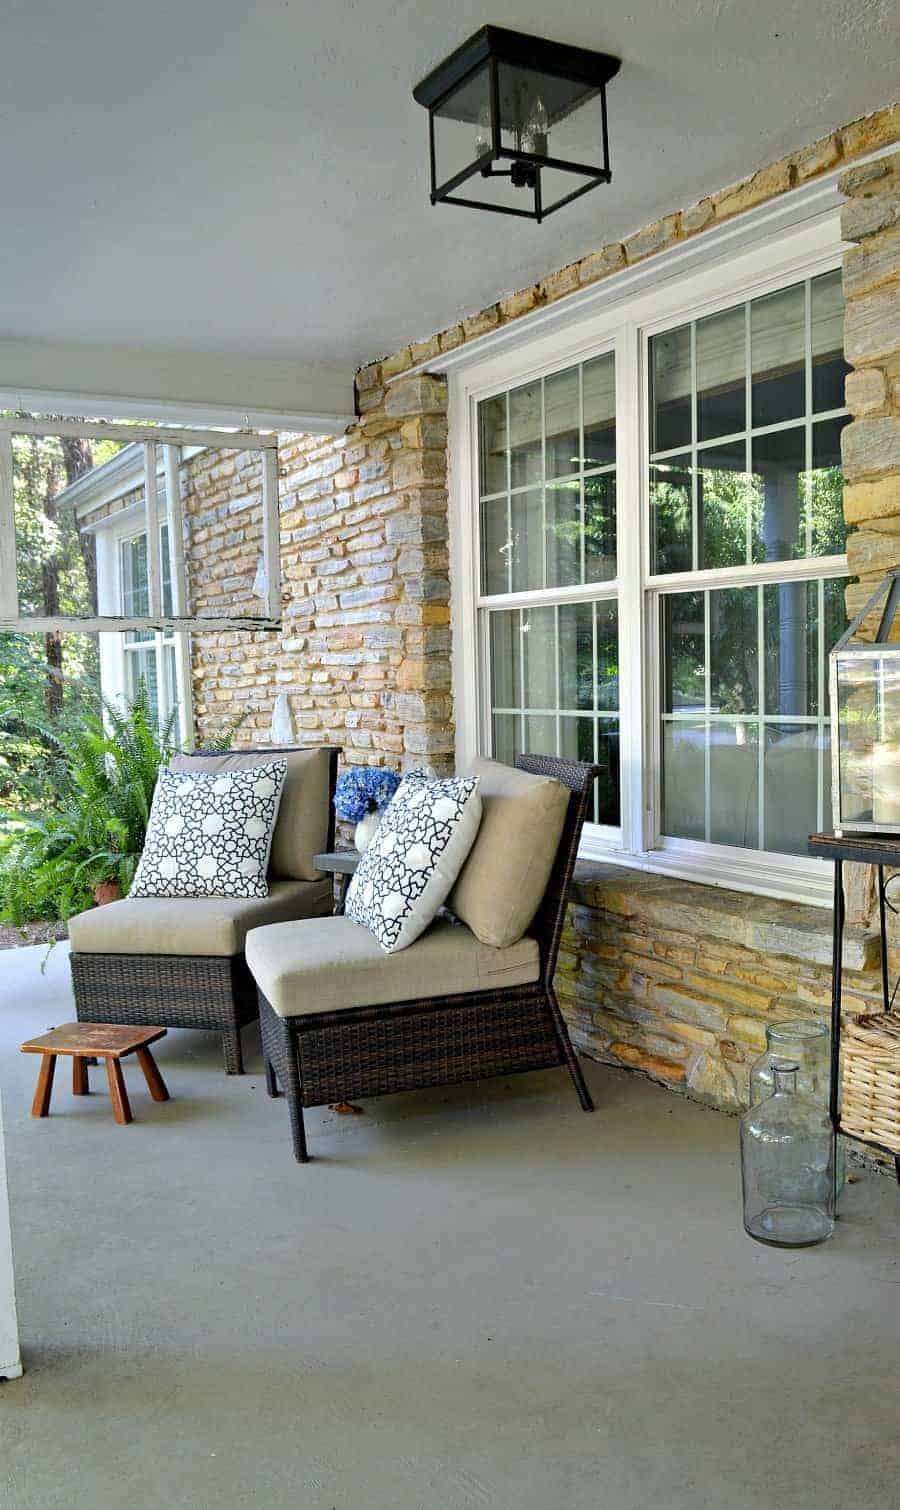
(870,219)
(681,980)
(364,653)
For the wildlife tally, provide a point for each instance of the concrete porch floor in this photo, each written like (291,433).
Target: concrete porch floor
(471,1299)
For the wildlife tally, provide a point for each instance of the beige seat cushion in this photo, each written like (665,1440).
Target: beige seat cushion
(193,925)
(301,829)
(499,889)
(326,964)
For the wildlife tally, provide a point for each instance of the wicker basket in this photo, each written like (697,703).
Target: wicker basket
(870,1103)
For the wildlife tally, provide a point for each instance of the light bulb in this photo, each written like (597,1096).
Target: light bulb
(536,129)
(483,135)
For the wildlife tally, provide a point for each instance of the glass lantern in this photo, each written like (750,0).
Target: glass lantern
(517,124)
(865,718)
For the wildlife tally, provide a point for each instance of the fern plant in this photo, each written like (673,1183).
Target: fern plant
(102,772)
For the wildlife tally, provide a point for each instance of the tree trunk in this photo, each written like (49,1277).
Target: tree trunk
(77,459)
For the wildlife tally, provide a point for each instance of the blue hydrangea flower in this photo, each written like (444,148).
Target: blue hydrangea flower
(363,789)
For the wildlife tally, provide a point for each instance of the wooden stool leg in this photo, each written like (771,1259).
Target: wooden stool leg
(121,1107)
(152,1076)
(80,1085)
(40,1106)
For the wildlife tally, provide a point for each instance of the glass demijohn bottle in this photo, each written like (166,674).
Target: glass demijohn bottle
(787,1165)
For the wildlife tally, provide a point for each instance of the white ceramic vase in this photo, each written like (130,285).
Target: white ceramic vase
(365,831)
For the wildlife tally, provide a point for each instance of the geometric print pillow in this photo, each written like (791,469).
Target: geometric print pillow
(210,835)
(405,875)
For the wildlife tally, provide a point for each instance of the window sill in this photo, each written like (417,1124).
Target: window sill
(808,882)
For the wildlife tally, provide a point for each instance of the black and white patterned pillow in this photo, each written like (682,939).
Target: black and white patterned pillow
(210,835)
(406,873)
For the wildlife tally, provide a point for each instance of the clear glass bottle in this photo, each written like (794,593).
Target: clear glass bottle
(808,1046)
(787,1166)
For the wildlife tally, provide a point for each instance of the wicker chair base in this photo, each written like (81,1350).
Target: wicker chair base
(177,991)
(377,1051)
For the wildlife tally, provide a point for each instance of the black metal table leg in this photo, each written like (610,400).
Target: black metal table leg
(837,956)
(882,919)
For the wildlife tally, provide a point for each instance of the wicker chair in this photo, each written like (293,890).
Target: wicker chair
(213,991)
(322,1058)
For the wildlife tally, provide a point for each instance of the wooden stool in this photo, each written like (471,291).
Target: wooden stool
(84,1041)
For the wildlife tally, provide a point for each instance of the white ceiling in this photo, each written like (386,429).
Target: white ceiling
(250,178)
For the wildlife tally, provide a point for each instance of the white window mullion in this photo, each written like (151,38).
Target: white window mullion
(761,724)
(154,583)
(707,727)
(632,534)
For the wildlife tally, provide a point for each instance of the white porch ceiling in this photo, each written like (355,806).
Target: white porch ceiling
(184,181)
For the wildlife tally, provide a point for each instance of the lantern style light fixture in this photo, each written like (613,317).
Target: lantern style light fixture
(865,718)
(518,120)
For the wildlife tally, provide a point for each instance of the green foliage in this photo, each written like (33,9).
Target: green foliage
(26,751)
(102,772)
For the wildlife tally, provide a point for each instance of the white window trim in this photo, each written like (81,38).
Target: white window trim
(111,534)
(789,254)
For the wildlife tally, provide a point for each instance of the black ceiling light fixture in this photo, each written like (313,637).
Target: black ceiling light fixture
(519,120)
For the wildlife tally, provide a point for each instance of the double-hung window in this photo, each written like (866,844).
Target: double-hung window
(547,468)
(653,562)
(149,656)
(746,542)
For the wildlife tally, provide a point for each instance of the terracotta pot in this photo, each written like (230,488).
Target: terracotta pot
(107,891)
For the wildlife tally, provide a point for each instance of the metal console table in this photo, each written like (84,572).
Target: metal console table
(882,851)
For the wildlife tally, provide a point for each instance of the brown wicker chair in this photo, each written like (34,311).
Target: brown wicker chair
(322,1058)
(216,992)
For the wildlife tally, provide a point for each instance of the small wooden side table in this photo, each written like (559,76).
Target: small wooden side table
(341,863)
(83,1041)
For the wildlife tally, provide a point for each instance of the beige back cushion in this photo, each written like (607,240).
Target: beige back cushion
(301,829)
(500,887)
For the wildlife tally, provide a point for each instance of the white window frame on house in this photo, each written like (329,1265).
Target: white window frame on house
(117,650)
(161,445)
(745,264)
